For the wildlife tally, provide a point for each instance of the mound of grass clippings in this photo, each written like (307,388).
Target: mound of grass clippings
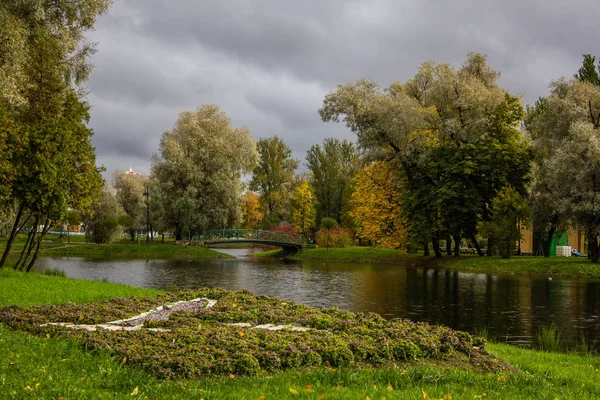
(204,342)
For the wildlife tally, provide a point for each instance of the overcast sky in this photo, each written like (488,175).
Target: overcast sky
(269,63)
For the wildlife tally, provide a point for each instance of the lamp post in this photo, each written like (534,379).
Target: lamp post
(147,195)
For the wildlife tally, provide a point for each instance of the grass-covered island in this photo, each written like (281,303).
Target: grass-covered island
(200,354)
(522,265)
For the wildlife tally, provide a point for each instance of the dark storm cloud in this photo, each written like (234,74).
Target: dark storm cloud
(268,63)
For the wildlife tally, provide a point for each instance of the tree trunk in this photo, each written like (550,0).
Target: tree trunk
(477,247)
(178,232)
(593,246)
(39,243)
(28,245)
(426,249)
(456,245)
(162,240)
(132,234)
(547,240)
(448,245)
(17,265)
(13,235)
(435,241)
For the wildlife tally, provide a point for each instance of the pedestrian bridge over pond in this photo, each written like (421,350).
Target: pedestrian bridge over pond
(291,242)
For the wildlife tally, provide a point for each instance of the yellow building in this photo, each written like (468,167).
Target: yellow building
(529,244)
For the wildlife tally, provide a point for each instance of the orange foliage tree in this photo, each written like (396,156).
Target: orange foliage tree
(251,210)
(375,207)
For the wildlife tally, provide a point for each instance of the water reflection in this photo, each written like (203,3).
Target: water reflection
(512,308)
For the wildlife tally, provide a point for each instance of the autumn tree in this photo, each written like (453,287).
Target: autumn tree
(199,170)
(303,208)
(454,134)
(273,178)
(130,194)
(252,217)
(376,206)
(332,167)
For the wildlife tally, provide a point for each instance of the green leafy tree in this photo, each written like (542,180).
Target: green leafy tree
(130,193)
(454,134)
(588,72)
(50,162)
(198,172)
(104,222)
(273,178)
(332,167)
(508,210)
(566,133)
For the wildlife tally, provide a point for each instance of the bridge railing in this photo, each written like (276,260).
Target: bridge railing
(252,234)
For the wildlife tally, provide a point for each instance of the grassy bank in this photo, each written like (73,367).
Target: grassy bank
(54,367)
(55,246)
(360,254)
(522,265)
(131,250)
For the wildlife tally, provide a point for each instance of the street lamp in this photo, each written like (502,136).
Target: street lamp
(147,195)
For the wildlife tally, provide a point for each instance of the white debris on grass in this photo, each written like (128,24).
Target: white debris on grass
(160,313)
(163,312)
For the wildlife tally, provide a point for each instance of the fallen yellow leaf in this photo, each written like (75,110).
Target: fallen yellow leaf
(389,387)
(309,388)
(293,391)
(135,391)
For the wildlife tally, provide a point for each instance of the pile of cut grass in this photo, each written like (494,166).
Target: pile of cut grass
(34,367)
(204,343)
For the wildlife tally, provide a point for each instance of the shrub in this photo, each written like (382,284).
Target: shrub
(334,238)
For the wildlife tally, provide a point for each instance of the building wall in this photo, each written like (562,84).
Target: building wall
(575,236)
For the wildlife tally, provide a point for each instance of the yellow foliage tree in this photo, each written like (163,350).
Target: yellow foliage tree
(375,207)
(303,211)
(251,210)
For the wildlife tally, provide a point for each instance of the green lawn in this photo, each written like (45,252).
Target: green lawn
(54,246)
(51,368)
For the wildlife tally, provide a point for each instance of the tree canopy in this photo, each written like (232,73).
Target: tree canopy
(47,157)
(199,169)
(273,178)
(454,133)
(332,167)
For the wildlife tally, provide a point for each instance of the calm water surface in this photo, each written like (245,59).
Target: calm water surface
(511,307)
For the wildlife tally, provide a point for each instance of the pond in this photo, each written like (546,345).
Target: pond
(511,308)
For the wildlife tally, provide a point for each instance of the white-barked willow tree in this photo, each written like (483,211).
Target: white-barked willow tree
(199,170)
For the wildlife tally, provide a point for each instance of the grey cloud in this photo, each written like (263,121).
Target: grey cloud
(268,63)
